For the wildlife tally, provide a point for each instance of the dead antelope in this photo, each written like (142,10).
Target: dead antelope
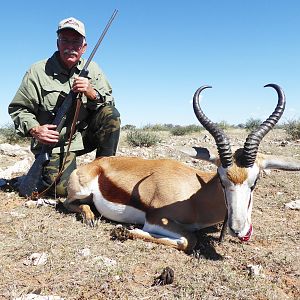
(173,200)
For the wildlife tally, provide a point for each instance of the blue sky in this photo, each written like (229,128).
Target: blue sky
(157,53)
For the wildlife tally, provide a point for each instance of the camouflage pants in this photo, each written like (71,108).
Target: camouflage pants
(102,133)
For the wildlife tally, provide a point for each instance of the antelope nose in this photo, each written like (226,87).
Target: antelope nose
(234,231)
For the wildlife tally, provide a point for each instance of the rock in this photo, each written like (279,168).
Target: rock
(266,172)
(36,259)
(254,270)
(21,166)
(85,252)
(13,150)
(40,202)
(293,205)
(108,262)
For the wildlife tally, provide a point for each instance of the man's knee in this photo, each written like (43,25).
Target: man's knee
(107,117)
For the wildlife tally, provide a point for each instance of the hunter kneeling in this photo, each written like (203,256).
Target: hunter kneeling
(44,109)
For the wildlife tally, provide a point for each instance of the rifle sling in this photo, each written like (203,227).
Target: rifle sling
(78,104)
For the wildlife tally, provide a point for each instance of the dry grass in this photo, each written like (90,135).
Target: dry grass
(126,270)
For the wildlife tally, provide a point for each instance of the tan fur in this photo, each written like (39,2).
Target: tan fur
(171,193)
(176,199)
(236,174)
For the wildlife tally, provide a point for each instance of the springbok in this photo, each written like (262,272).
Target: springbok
(173,200)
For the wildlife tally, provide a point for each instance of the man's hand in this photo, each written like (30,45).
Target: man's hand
(45,134)
(82,85)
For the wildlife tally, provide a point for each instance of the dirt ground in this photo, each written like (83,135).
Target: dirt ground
(80,262)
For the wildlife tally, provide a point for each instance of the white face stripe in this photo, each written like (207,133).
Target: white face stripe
(239,200)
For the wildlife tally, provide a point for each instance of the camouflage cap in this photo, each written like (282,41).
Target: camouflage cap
(71,23)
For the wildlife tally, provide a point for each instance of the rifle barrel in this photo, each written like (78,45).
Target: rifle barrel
(100,39)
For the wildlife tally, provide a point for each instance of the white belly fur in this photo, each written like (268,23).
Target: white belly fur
(114,211)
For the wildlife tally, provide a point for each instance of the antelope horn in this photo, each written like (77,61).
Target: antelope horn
(221,139)
(254,138)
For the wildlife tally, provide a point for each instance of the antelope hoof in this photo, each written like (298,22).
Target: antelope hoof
(91,222)
(88,216)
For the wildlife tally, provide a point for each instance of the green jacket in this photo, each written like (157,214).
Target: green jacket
(42,91)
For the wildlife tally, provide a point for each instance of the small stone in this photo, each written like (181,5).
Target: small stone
(108,262)
(85,252)
(36,259)
(30,204)
(293,205)
(254,270)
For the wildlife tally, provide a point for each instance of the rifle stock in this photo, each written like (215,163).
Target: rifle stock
(30,183)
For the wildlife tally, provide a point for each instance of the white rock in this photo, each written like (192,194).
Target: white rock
(17,215)
(30,204)
(254,270)
(267,172)
(36,259)
(85,252)
(106,261)
(40,202)
(293,205)
(21,166)
(46,202)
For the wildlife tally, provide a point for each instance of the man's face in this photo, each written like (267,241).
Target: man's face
(71,45)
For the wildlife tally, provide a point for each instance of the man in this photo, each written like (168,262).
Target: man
(43,89)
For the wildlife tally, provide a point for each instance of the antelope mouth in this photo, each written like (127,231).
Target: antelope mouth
(248,235)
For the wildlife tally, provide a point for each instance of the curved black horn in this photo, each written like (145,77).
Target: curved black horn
(254,138)
(221,139)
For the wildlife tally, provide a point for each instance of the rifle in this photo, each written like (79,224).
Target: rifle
(30,181)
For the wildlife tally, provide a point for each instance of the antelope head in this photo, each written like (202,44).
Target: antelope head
(239,171)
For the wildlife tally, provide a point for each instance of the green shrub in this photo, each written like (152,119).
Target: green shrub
(223,125)
(158,127)
(252,124)
(128,127)
(292,129)
(180,130)
(8,135)
(183,130)
(194,128)
(142,138)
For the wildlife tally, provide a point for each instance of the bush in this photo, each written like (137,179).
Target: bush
(142,138)
(252,124)
(128,127)
(158,127)
(292,129)
(223,125)
(183,130)
(180,130)
(9,135)
(194,128)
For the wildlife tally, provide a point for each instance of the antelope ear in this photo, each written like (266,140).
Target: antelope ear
(206,154)
(278,162)
(201,153)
